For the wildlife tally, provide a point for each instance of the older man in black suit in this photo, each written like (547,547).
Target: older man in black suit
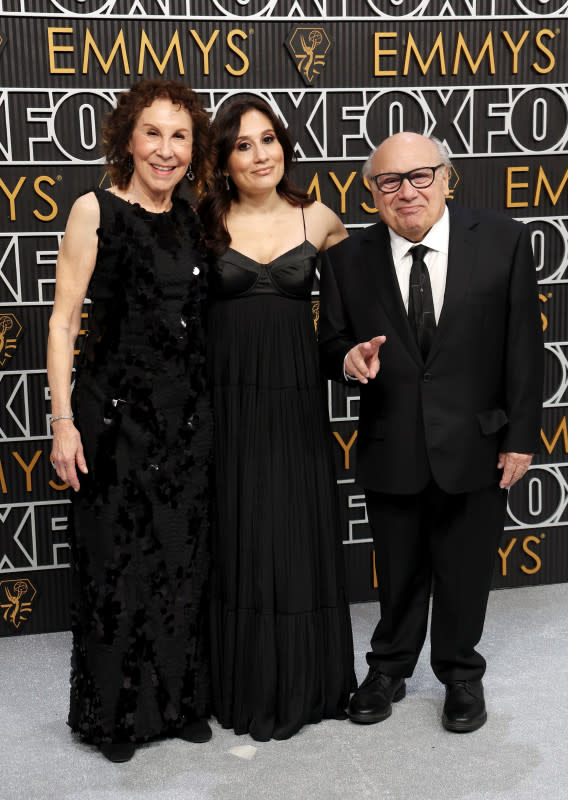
(449,415)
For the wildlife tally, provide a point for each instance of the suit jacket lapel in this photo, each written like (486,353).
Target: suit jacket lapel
(383,284)
(462,254)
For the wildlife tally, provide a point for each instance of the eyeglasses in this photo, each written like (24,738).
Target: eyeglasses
(420,178)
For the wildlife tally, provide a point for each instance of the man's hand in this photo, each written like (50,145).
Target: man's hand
(514,466)
(362,361)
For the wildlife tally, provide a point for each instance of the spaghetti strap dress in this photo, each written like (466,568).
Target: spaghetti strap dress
(282,652)
(140,535)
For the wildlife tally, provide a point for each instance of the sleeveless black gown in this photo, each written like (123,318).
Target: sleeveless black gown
(282,652)
(140,521)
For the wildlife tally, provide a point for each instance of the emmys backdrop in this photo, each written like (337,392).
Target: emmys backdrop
(488,77)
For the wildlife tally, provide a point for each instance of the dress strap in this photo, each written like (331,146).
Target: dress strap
(304,221)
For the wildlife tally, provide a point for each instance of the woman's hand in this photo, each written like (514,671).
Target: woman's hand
(67,452)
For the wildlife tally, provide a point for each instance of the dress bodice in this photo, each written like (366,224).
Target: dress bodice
(290,274)
(147,292)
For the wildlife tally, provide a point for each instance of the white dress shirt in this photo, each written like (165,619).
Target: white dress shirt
(436,259)
(437,240)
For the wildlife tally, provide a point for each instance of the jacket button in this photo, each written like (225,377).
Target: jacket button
(427,377)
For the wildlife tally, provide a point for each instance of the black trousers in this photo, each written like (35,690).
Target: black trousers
(440,543)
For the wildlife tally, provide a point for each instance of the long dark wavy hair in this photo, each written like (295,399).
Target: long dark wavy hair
(216,202)
(119,124)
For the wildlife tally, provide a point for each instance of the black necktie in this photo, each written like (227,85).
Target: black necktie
(420,303)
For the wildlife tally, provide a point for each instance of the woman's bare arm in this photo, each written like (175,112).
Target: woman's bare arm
(75,265)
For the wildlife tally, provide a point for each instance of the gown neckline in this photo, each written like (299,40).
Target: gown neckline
(274,260)
(134,204)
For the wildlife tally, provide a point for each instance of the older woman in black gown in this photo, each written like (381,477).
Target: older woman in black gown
(134,441)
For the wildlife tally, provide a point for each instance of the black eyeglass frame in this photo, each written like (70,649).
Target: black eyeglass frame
(403,175)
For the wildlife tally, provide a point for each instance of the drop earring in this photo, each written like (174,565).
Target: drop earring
(190,175)
(227,183)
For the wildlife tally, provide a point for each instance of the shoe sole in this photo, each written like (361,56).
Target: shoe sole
(370,719)
(464,727)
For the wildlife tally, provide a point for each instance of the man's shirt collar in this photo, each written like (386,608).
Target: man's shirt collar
(437,238)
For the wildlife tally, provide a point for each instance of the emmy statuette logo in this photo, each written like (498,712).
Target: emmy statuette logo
(316,313)
(454,179)
(309,48)
(16,598)
(10,332)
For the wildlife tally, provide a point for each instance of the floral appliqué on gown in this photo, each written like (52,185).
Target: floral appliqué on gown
(141,519)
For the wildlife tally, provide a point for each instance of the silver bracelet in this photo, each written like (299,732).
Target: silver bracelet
(61,416)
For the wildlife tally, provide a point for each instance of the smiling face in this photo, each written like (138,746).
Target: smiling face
(256,163)
(410,212)
(161,146)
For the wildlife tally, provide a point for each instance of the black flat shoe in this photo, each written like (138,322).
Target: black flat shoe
(117,752)
(197,732)
(464,709)
(372,702)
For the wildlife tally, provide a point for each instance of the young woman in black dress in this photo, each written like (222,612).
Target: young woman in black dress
(282,653)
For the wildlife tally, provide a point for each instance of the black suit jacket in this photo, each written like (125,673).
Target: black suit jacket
(479,391)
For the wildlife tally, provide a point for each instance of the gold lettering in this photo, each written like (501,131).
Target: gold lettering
(474,66)
(315,187)
(345,447)
(551,60)
(90,44)
(537,560)
(49,200)
(560,431)
(58,48)
(515,48)
(543,299)
(411,47)
(378,53)
(342,189)
(511,186)
(364,206)
(205,48)
(505,555)
(238,51)
(12,195)
(161,65)
(28,467)
(541,181)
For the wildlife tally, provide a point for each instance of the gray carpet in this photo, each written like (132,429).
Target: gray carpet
(521,754)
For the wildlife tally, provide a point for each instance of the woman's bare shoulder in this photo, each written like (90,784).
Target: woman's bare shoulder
(85,210)
(324,226)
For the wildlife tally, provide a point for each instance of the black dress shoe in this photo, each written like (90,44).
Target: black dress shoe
(117,752)
(198,731)
(464,709)
(372,702)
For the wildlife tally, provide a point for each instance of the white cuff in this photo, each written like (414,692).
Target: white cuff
(346,375)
